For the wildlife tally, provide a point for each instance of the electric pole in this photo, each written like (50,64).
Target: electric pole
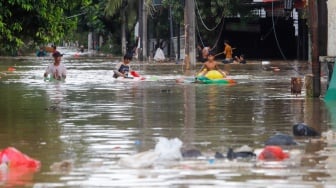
(140,39)
(314,30)
(190,40)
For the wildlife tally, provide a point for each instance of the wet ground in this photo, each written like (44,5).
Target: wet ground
(91,121)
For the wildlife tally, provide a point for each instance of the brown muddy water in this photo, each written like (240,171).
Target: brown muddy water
(92,121)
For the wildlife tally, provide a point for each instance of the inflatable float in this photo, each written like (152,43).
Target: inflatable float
(130,79)
(134,77)
(213,77)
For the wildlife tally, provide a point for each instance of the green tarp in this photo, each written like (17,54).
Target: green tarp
(331,92)
(331,105)
(330,99)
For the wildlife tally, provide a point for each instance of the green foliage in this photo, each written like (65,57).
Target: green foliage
(113,6)
(33,22)
(177,9)
(30,21)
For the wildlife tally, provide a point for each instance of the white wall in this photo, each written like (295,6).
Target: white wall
(331,28)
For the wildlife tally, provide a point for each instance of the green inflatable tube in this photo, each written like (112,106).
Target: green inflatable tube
(205,80)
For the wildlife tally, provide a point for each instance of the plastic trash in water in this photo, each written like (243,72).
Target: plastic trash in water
(14,158)
(17,168)
(141,160)
(169,149)
(273,153)
(211,161)
(165,150)
(11,69)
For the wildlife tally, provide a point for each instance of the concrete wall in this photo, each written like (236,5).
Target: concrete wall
(331,28)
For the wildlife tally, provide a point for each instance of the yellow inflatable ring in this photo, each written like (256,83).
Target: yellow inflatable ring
(213,74)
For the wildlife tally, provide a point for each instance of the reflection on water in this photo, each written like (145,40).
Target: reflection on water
(331,105)
(93,120)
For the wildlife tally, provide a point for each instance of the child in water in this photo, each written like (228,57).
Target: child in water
(123,68)
(211,64)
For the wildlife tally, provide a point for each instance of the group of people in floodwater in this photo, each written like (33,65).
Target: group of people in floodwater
(207,56)
(202,54)
(57,70)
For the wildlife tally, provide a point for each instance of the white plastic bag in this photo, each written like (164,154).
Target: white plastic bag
(159,55)
(169,149)
(165,150)
(141,160)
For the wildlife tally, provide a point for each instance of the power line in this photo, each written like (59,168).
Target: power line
(277,41)
(275,33)
(204,25)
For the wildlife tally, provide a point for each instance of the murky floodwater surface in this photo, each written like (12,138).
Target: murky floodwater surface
(91,121)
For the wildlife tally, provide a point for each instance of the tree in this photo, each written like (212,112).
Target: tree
(124,6)
(47,21)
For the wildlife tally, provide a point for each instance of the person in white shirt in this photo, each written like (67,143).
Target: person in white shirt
(57,70)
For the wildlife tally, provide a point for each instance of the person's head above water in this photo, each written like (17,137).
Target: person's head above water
(127,58)
(211,55)
(57,54)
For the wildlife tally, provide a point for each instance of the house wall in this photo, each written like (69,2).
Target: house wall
(331,51)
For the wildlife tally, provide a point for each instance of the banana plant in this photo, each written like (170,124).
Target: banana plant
(128,11)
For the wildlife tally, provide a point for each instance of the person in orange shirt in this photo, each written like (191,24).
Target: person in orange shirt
(228,51)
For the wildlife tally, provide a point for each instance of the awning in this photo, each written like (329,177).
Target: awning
(299,4)
(264,1)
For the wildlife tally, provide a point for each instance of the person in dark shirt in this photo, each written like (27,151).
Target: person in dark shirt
(123,68)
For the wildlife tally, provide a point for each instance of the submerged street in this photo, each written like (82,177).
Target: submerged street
(92,121)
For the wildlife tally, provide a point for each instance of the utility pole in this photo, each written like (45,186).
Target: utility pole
(189,26)
(144,40)
(123,31)
(171,50)
(140,39)
(314,30)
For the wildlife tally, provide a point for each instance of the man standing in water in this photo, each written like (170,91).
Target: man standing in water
(57,70)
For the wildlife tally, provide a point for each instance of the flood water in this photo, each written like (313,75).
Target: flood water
(93,120)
